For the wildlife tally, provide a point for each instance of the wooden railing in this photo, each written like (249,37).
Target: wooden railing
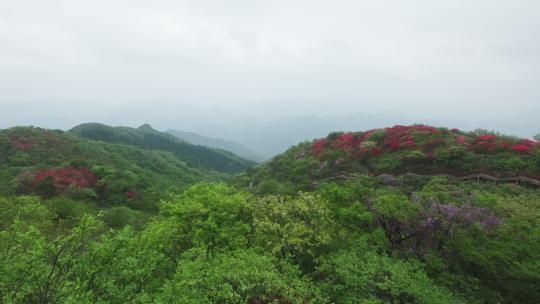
(474,177)
(486,177)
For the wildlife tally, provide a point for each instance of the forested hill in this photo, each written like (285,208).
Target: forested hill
(419,149)
(89,174)
(148,138)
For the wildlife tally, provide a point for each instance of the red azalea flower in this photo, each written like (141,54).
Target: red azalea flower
(460,140)
(487,137)
(521,148)
(345,141)
(20,143)
(376,151)
(64,177)
(318,146)
(527,142)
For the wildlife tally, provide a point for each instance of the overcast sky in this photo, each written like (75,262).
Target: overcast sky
(131,61)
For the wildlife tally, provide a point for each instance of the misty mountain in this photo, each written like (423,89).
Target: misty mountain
(234,147)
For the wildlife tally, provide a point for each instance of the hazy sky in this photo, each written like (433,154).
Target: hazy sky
(131,61)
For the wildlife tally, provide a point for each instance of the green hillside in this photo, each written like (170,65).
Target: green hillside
(148,138)
(418,149)
(53,163)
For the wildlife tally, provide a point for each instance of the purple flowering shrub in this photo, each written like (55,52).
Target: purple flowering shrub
(429,225)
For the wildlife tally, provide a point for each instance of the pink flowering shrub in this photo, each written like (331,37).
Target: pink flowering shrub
(528,142)
(20,143)
(487,137)
(521,148)
(399,137)
(505,145)
(318,146)
(430,144)
(409,143)
(393,145)
(425,128)
(460,140)
(345,141)
(376,152)
(62,178)
(485,144)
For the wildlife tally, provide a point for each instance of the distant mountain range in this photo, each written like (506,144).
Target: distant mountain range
(234,147)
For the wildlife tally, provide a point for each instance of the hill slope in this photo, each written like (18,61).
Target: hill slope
(147,138)
(234,147)
(52,163)
(416,149)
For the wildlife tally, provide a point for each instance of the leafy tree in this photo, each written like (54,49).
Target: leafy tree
(118,217)
(300,227)
(359,275)
(241,276)
(212,217)
(37,270)
(121,267)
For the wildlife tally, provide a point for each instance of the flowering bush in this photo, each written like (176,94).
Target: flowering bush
(485,144)
(393,145)
(528,142)
(460,140)
(487,137)
(318,146)
(376,151)
(425,128)
(446,216)
(61,178)
(430,144)
(521,148)
(399,137)
(20,143)
(346,142)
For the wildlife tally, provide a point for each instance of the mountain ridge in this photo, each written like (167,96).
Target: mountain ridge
(148,138)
